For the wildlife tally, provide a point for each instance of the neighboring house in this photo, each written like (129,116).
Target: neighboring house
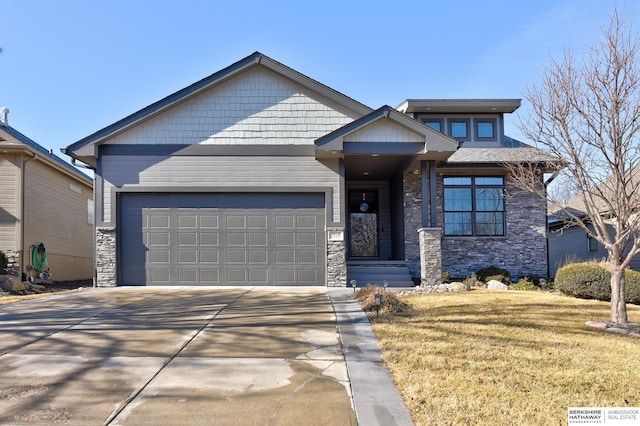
(44,200)
(260,175)
(570,243)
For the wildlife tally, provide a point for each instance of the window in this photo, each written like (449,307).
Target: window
(434,124)
(473,206)
(486,129)
(592,243)
(459,129)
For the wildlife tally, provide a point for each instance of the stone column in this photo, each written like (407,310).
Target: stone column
(412,197)
(336,258)
(106,257)
(430,256)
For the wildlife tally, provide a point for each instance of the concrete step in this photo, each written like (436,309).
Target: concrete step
(396,276)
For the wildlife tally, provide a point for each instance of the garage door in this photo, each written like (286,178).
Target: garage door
(221,239)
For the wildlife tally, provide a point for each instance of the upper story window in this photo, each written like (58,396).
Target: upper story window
(485,129)
(434,124)
(473,206)
(459,129)
(465,128)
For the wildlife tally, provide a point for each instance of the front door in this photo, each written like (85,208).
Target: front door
(363,223)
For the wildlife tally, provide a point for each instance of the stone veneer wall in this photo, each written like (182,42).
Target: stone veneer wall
(431,255)
(522,251)
(336,260)
(412,188)
(106,257)
(13,262)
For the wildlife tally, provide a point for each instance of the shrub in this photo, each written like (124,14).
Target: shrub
(446,277)
(632,286)
(593,281)
(390,302)
(4,263)
(470,282)
(547,284)
(584,280)
(524,284)
(493,273)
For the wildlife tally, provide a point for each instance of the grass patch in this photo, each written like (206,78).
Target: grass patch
(486,357)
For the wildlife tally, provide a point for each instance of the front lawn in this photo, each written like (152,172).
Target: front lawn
(507,357)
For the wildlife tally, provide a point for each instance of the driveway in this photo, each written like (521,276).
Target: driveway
(198,356)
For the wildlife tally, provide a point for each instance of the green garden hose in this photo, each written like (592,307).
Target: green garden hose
(39,258)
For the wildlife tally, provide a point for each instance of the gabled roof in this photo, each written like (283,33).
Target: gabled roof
(81,147)
(436,146)
(11,140)
(602,196)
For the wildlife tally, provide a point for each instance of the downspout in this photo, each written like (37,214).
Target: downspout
(546,225)
(75,162)
(34,156)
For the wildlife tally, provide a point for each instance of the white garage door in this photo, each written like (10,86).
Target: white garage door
(221,239)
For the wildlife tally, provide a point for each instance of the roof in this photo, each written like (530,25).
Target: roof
(510,150)
(461,106)
(602,196)
(42,151)
(256,59)
(435,145)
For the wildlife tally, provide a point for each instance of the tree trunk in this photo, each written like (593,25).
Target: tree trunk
(618,304)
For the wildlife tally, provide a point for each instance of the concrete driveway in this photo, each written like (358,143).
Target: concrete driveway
(197,356)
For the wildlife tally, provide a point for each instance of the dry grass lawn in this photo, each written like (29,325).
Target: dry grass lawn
(509,357)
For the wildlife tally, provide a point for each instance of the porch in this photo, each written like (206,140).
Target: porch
(376,272)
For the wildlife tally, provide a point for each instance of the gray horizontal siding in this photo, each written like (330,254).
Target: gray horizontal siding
(9,173)
(258,173)
(570,245)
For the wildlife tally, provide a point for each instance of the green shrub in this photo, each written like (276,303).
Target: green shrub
(493,273)
(524,284)
(500,278)
(632,286)
(446,278)
(585,281)
(593,281)
(4,263)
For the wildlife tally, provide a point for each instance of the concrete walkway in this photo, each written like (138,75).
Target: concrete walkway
(197,356)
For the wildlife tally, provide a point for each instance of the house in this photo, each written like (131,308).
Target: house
(43,200)
(570,243)
(260,175)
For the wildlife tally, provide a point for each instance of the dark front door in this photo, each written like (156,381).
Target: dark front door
(363,223)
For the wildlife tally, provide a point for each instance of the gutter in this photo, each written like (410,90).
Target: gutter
(83,165)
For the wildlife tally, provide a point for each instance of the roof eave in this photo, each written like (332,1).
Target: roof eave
(459,106)
(436,145)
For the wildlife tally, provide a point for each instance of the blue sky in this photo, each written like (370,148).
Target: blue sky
(70,67)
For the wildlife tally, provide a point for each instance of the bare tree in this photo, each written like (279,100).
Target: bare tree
(587,112)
